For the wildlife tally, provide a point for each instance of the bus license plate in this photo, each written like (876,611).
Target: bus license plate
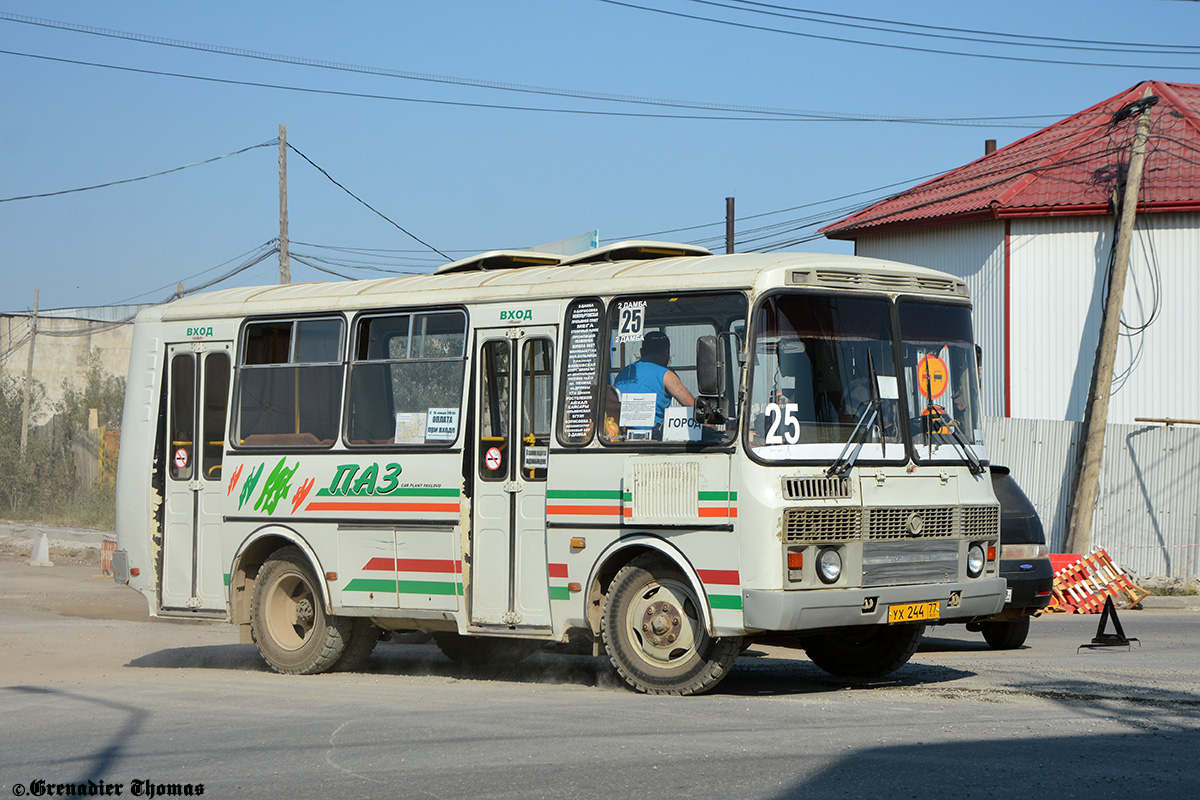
(914,612)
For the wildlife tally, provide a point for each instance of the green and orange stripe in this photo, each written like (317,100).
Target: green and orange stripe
(427,576)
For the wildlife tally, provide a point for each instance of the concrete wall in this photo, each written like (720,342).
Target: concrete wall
(61,352)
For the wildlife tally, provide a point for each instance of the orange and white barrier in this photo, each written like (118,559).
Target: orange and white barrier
(108,546)
(1081,584)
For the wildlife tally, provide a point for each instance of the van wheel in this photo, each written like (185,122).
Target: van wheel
(485,651)
(294,634)
(870,651)
(654,632)
(1007,635)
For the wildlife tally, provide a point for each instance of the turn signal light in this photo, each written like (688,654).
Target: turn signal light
(795,560)
(134,571)
(991,550)
(578,542)
(574,587)
(332,576)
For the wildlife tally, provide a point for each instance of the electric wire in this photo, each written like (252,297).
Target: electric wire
(941,32)
(139,178)
(383,216)
(887,46)
(468,82)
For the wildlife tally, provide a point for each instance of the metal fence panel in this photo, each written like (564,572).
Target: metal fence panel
(1148,509)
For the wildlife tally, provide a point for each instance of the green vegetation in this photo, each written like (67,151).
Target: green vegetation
(63,477)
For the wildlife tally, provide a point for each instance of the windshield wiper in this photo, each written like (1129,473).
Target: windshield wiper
(934,421)
(973,463)
(841,465)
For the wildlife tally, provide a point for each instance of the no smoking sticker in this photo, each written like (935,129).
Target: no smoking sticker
(492,458)
(181,458)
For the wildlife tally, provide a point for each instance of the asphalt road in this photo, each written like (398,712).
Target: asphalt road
(90,690)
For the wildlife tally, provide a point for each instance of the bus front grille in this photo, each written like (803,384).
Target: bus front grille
(822,524)
(910,523)
(816,488)
(981,521)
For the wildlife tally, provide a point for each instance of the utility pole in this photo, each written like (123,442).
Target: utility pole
(29,373)
(728,224)
(285,267)
(1095,418)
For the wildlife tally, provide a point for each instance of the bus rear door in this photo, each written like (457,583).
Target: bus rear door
(197,402)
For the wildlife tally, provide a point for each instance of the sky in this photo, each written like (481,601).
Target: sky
(414,109)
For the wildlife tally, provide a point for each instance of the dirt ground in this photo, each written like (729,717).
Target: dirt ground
(19,549)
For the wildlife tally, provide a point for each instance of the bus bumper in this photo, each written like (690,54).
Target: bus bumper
(836,608)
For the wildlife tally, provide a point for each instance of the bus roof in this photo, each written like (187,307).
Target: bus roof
(497,277)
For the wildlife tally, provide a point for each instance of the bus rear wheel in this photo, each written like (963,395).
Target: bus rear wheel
(866,652)
(287,617)
(654,631)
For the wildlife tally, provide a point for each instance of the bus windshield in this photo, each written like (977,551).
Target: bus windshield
(813,359)
(941,372)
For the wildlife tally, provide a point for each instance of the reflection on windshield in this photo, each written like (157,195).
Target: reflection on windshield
(810,376)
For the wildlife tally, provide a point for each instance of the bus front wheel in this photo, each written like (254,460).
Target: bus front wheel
(870,651)
(294,634)
(654,631)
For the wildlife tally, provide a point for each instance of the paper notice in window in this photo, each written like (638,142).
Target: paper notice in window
(410,428)
(637,410)
(679,425)
(441,424)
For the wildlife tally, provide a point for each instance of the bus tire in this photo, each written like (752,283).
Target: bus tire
(364,635)
(287,617)
(1006,635)
(653,630)
(870,651)
(484,651)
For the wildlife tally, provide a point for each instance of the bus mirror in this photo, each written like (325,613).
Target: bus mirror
(710,366)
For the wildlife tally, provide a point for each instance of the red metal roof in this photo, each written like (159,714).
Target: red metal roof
(1069,168)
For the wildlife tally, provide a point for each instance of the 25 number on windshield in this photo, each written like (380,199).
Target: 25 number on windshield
(784,423)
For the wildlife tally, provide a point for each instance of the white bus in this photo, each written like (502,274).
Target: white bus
(463,454)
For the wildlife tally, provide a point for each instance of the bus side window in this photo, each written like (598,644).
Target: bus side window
(495,396)
(290,383)
(406,379)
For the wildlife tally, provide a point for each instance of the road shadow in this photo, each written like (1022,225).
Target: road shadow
(106,756)
(756,674)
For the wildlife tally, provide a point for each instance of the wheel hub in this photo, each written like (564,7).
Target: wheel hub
(304,612)
(661,623)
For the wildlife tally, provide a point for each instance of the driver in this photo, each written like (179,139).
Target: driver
(651,375)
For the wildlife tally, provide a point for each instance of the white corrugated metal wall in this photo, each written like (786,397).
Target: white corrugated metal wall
(1148,511)
(1058,273)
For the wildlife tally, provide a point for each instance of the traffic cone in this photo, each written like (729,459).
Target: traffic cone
(41,553)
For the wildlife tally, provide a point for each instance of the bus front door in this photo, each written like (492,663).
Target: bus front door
(514,400)
(197,401)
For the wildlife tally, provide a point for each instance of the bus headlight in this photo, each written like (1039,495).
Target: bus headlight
(975,561)
(829,565)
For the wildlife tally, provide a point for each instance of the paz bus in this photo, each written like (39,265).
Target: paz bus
(323,464)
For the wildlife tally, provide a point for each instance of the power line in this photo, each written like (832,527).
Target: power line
(942,32)
(470,82)
(139,178)
(964,122)
(411,235)
(907,48)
